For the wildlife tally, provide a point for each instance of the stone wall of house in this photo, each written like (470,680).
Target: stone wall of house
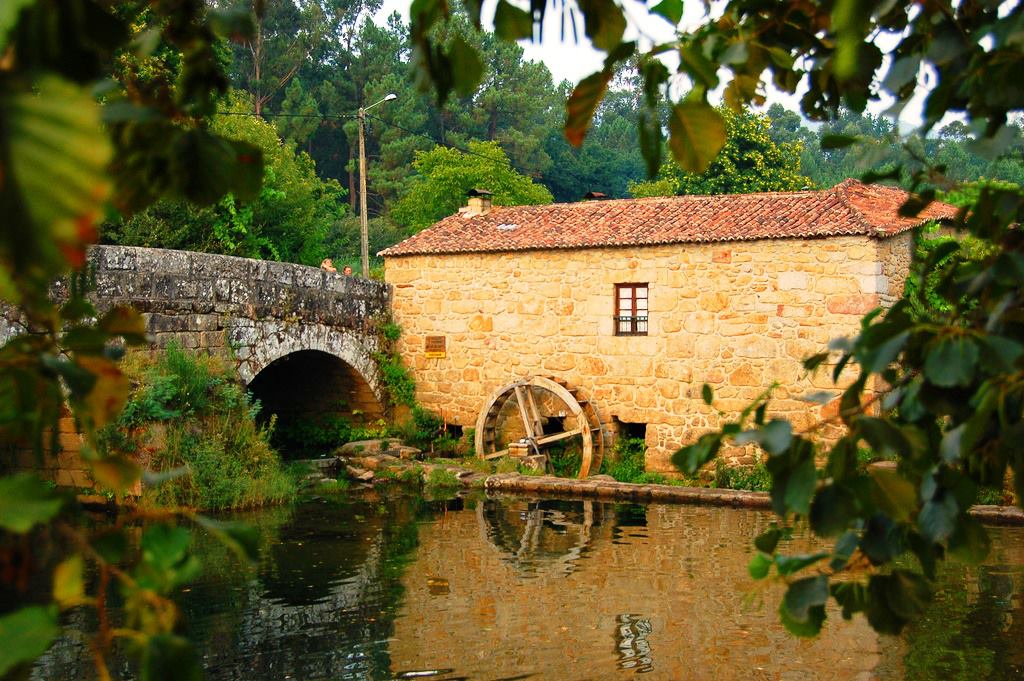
(895,255)
(737,316)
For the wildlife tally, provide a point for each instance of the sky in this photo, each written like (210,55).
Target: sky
(570,61)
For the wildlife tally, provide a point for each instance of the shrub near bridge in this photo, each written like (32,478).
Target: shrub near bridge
(188,417)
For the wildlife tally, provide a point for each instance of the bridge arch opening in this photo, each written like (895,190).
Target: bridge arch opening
(317,401)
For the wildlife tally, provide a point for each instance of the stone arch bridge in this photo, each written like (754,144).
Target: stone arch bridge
(302,339)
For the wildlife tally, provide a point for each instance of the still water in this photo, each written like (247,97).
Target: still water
(513,588)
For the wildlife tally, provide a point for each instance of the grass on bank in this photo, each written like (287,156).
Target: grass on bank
(188,414)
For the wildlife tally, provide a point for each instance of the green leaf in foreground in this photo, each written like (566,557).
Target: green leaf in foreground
(467,69)
(69,582)
(582,103)
(893,493)
(671,10)
(26,634)
(789,564)
(937,519)
(852,596)
(970,542)
(793,486)
(604,23)
(951,361)
(689,459)
(776,436)
(9,10)
(164,546)
(206,167)
(25,500)
(697,135)
(806,629)
(58,155)
(894,599)
(805,594)
(166,562)
(843,550)
(768,540)
(832,510)
(760,565)
(837,141)
(512,23)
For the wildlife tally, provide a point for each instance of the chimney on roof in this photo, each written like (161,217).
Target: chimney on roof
(479,202)
(595,196)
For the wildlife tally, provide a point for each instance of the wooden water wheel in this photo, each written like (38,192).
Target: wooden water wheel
(547,411)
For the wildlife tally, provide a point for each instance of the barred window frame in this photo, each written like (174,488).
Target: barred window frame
(631,308)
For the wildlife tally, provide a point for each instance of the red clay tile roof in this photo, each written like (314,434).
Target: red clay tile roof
(849,208)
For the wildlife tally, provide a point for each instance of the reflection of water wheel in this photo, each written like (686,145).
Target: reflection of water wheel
(549,535)
(546,411)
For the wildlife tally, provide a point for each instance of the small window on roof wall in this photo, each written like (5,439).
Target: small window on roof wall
(631,309)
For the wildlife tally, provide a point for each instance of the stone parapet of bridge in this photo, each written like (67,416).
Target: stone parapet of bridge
(166,283)
(261,310)
(255,311)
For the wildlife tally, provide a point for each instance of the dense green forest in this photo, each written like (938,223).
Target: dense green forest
(297,83)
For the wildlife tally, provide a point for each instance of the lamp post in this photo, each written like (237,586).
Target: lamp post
(364,229)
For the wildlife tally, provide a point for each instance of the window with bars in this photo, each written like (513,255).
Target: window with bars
(631,309)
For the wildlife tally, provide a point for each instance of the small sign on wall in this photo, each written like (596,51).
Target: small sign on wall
(435,347)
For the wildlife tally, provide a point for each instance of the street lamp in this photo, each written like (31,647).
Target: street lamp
(364,229)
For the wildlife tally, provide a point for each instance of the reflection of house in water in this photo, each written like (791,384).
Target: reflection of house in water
(541,535)
(574,590)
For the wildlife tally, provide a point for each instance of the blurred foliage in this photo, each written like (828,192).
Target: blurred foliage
(65,161)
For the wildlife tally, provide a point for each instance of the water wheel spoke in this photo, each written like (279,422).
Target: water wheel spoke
(523,414)
(555,437)
(531,404)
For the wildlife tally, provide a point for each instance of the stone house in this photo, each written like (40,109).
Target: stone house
(640,302)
